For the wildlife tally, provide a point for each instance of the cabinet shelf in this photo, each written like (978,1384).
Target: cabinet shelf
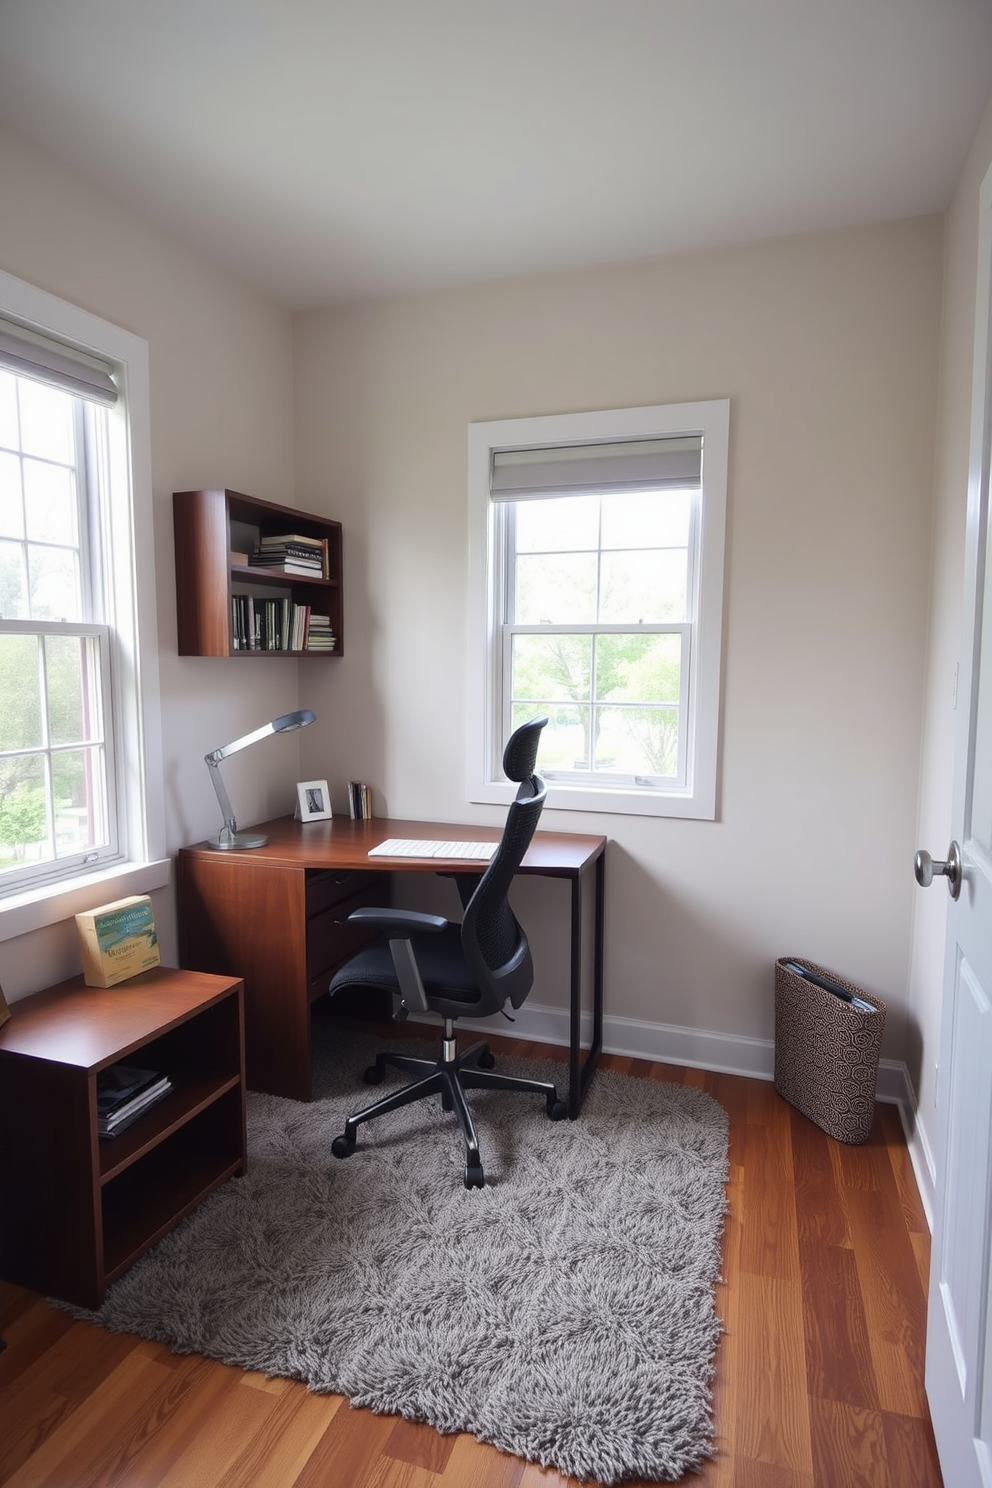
(79,1209)
(209,527)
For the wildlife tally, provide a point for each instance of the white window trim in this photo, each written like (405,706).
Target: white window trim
(698,797)
(138,742)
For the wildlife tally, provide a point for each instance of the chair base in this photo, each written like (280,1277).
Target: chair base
(450,1076)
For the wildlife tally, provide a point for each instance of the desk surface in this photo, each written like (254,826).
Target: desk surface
(343,843)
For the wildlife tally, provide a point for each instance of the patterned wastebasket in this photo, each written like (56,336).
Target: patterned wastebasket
(826,1050)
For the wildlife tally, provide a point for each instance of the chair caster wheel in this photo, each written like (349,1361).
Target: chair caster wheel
(474,1177)
(374,1075)
(557,1110)
(343,1146)
(486,1060)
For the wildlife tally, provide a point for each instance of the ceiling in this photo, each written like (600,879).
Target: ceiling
(334,150)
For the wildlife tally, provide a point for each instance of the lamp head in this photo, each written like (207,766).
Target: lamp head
(287,722)
(229,837)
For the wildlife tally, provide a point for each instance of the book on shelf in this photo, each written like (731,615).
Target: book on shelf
(320,636)
(238,560)
(291,552)
(299,568)
(278,625)
(123,1093)
(289,539)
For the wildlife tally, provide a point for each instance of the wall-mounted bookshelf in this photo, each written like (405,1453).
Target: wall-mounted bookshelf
(228,606)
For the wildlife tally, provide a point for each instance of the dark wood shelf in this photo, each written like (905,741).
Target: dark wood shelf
(207,527)
(78,1209)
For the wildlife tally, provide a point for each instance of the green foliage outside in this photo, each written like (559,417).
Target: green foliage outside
(636,694)
(23,817)
(23,804)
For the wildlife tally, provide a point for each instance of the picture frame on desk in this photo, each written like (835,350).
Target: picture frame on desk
(313,801)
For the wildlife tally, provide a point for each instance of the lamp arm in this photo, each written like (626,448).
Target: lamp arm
(227,810)
(216,755)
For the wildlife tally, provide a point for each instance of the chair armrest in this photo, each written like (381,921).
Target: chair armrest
(398,924)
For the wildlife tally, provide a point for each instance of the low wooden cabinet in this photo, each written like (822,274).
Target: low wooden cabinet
(213,526)
(76,1210)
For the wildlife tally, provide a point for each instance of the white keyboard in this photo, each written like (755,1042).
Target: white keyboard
(413,847)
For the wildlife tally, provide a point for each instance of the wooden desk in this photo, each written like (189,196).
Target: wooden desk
(278,917)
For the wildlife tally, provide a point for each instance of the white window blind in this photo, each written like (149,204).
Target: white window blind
(27,354)
(623,465)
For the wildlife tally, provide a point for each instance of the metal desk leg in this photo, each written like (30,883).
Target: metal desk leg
(580,1072)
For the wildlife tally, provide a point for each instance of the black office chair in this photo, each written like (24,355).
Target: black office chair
(467,970)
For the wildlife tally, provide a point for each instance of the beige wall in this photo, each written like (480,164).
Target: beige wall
(221,391)
(953,433)
(827,348)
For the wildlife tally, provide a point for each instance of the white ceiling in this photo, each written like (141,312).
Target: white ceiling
(331,150)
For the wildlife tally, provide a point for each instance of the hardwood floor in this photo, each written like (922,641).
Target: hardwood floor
(819,1378)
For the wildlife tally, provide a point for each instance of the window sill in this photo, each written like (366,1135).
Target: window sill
(609,802)
(35,908)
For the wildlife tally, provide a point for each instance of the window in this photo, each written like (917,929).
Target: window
(79,722)
(597,586)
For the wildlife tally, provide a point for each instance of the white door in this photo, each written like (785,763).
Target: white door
(959,1330)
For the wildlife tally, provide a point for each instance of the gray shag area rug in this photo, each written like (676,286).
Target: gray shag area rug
(564,1313)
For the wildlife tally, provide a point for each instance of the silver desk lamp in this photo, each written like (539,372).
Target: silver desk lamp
(229,837)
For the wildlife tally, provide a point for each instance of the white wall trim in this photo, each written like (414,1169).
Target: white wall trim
(724,1053)
(132,559)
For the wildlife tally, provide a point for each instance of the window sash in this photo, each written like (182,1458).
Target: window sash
(605,778)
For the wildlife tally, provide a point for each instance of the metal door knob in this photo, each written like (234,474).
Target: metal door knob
(926,869)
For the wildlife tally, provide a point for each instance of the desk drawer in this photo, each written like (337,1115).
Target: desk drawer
(330,938)
(331,886)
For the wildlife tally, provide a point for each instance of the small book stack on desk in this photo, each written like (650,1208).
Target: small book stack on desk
(123,1092)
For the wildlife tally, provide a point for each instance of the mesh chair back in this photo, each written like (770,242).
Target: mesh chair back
(493,942)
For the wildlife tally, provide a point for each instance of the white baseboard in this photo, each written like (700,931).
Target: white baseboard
(726,1053)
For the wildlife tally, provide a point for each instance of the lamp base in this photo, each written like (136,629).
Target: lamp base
(227,841)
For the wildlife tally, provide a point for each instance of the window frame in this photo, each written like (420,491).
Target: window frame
(126,551)
(696,796)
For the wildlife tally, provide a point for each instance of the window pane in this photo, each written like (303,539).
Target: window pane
(13,582)
(638,668)
(556,589)
(24,830)
(8,411)
(50,501)
(11,506)
(74,703)
(646,519)
(564,521)
(565,742)
(78,786)
(641,588)
(548,669)
(54,583)
(20,689)
(46,421)
(637,741)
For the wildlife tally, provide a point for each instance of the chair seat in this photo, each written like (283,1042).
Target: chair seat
(448,983)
